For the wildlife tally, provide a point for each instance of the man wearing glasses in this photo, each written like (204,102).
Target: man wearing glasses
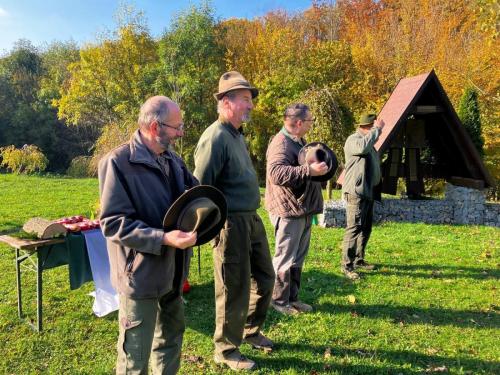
(138,182)
(292,199)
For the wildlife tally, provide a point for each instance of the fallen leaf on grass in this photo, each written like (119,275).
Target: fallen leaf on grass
(437,369)
(267,350)
(194,359)
(328,353)
(486,254)
(351,299)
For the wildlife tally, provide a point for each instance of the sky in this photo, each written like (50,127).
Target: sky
(44,21)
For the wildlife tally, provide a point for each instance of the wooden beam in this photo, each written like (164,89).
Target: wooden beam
(467,182)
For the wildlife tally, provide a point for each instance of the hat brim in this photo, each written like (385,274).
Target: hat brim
(332,168)
(253,90)
(200,191)
(366,123)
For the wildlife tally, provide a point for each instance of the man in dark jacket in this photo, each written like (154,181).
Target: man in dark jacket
(292,199)
(138,182)
(362,175)
(243,271)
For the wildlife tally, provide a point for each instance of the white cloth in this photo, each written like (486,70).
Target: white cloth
(106,298)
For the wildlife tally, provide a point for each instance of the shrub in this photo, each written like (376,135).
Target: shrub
(27,159)
(80,167)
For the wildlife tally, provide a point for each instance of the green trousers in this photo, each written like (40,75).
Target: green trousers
(244,280)
(153,328)
(359,219)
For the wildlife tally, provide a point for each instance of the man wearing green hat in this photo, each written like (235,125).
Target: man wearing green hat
(243,271)
(362,175)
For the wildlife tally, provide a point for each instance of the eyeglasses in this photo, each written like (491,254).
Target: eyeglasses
(311,120)
(179,128)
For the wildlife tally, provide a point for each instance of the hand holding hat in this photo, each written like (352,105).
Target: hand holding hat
(199,214)
(318,168)
(321,159)
(179,239)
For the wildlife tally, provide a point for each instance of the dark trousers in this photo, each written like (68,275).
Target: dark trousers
(244,280)
(359,219)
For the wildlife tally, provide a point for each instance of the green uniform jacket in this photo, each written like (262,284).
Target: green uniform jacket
(222,160)
(362,164)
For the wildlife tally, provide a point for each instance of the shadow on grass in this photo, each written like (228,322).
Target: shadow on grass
(200,307)
(437,272)
(9,227)
(401,361)
(417,315)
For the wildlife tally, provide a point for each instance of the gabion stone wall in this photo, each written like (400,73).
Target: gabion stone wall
(460,206)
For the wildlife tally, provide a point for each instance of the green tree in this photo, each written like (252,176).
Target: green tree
(468,111)
(192,61)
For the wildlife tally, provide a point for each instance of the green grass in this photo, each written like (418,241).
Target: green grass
(432,303)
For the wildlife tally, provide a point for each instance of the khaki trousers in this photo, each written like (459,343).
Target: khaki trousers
(244,280)
(359,219)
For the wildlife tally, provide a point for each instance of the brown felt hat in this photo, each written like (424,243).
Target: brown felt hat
(317,151)
(202,209)
(231,81)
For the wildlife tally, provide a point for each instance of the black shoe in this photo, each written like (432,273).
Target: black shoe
(350,273)
(366,266)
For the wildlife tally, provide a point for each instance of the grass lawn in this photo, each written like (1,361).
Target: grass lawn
(432,306)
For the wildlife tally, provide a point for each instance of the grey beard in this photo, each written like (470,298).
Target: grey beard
(166,147)
(246,117)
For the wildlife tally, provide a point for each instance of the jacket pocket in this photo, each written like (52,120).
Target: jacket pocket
(129,264)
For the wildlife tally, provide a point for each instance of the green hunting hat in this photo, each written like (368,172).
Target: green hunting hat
(233,80)
(367,119)
(202,209)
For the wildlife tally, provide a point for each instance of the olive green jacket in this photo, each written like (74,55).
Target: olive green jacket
(222,160)
(362,164)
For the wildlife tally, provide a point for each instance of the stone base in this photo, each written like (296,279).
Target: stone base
(460,206)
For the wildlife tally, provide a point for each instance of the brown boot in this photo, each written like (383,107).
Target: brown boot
(285,309)
(350,273)
(259,341)
(235,361)
(301,306)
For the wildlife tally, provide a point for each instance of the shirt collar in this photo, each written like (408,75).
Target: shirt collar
(232,130)
(292,137)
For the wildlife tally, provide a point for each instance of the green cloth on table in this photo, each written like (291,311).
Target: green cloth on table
(74,253)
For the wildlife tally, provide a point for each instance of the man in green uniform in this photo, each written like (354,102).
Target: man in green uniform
(243,271)
(362,175)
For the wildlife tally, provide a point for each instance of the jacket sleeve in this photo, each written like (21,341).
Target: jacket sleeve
(118,215)
(281,169)
(209,161)
(358,146)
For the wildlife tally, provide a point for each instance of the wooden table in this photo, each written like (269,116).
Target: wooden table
(29,250)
